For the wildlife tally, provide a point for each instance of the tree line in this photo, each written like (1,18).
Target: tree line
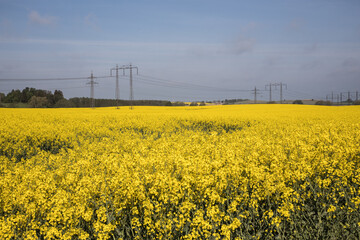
(33,97)
(39,98)
(86,102)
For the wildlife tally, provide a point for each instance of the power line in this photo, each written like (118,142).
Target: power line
(156,81)
(162,84)
(52,88)
(47,79)
(143,78)
(178,84)
(302,94)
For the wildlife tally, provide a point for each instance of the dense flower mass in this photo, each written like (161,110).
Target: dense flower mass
(214,172)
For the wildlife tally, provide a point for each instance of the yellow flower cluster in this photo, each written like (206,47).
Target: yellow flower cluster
(214,172)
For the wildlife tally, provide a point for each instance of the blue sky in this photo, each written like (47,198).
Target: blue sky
(313,46)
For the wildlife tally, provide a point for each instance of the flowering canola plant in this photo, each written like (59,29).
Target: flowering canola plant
(212,172)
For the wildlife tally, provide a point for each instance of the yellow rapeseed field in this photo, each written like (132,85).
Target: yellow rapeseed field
(212,172)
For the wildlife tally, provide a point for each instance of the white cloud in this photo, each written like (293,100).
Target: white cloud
(34,17)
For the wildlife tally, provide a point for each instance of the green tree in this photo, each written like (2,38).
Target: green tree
(13,97)
(38,102)
(26,94)
(41,93)
(64,103)
(58,95)
(2,97)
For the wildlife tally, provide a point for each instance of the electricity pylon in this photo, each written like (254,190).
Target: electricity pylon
(92,82)
(130,67)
